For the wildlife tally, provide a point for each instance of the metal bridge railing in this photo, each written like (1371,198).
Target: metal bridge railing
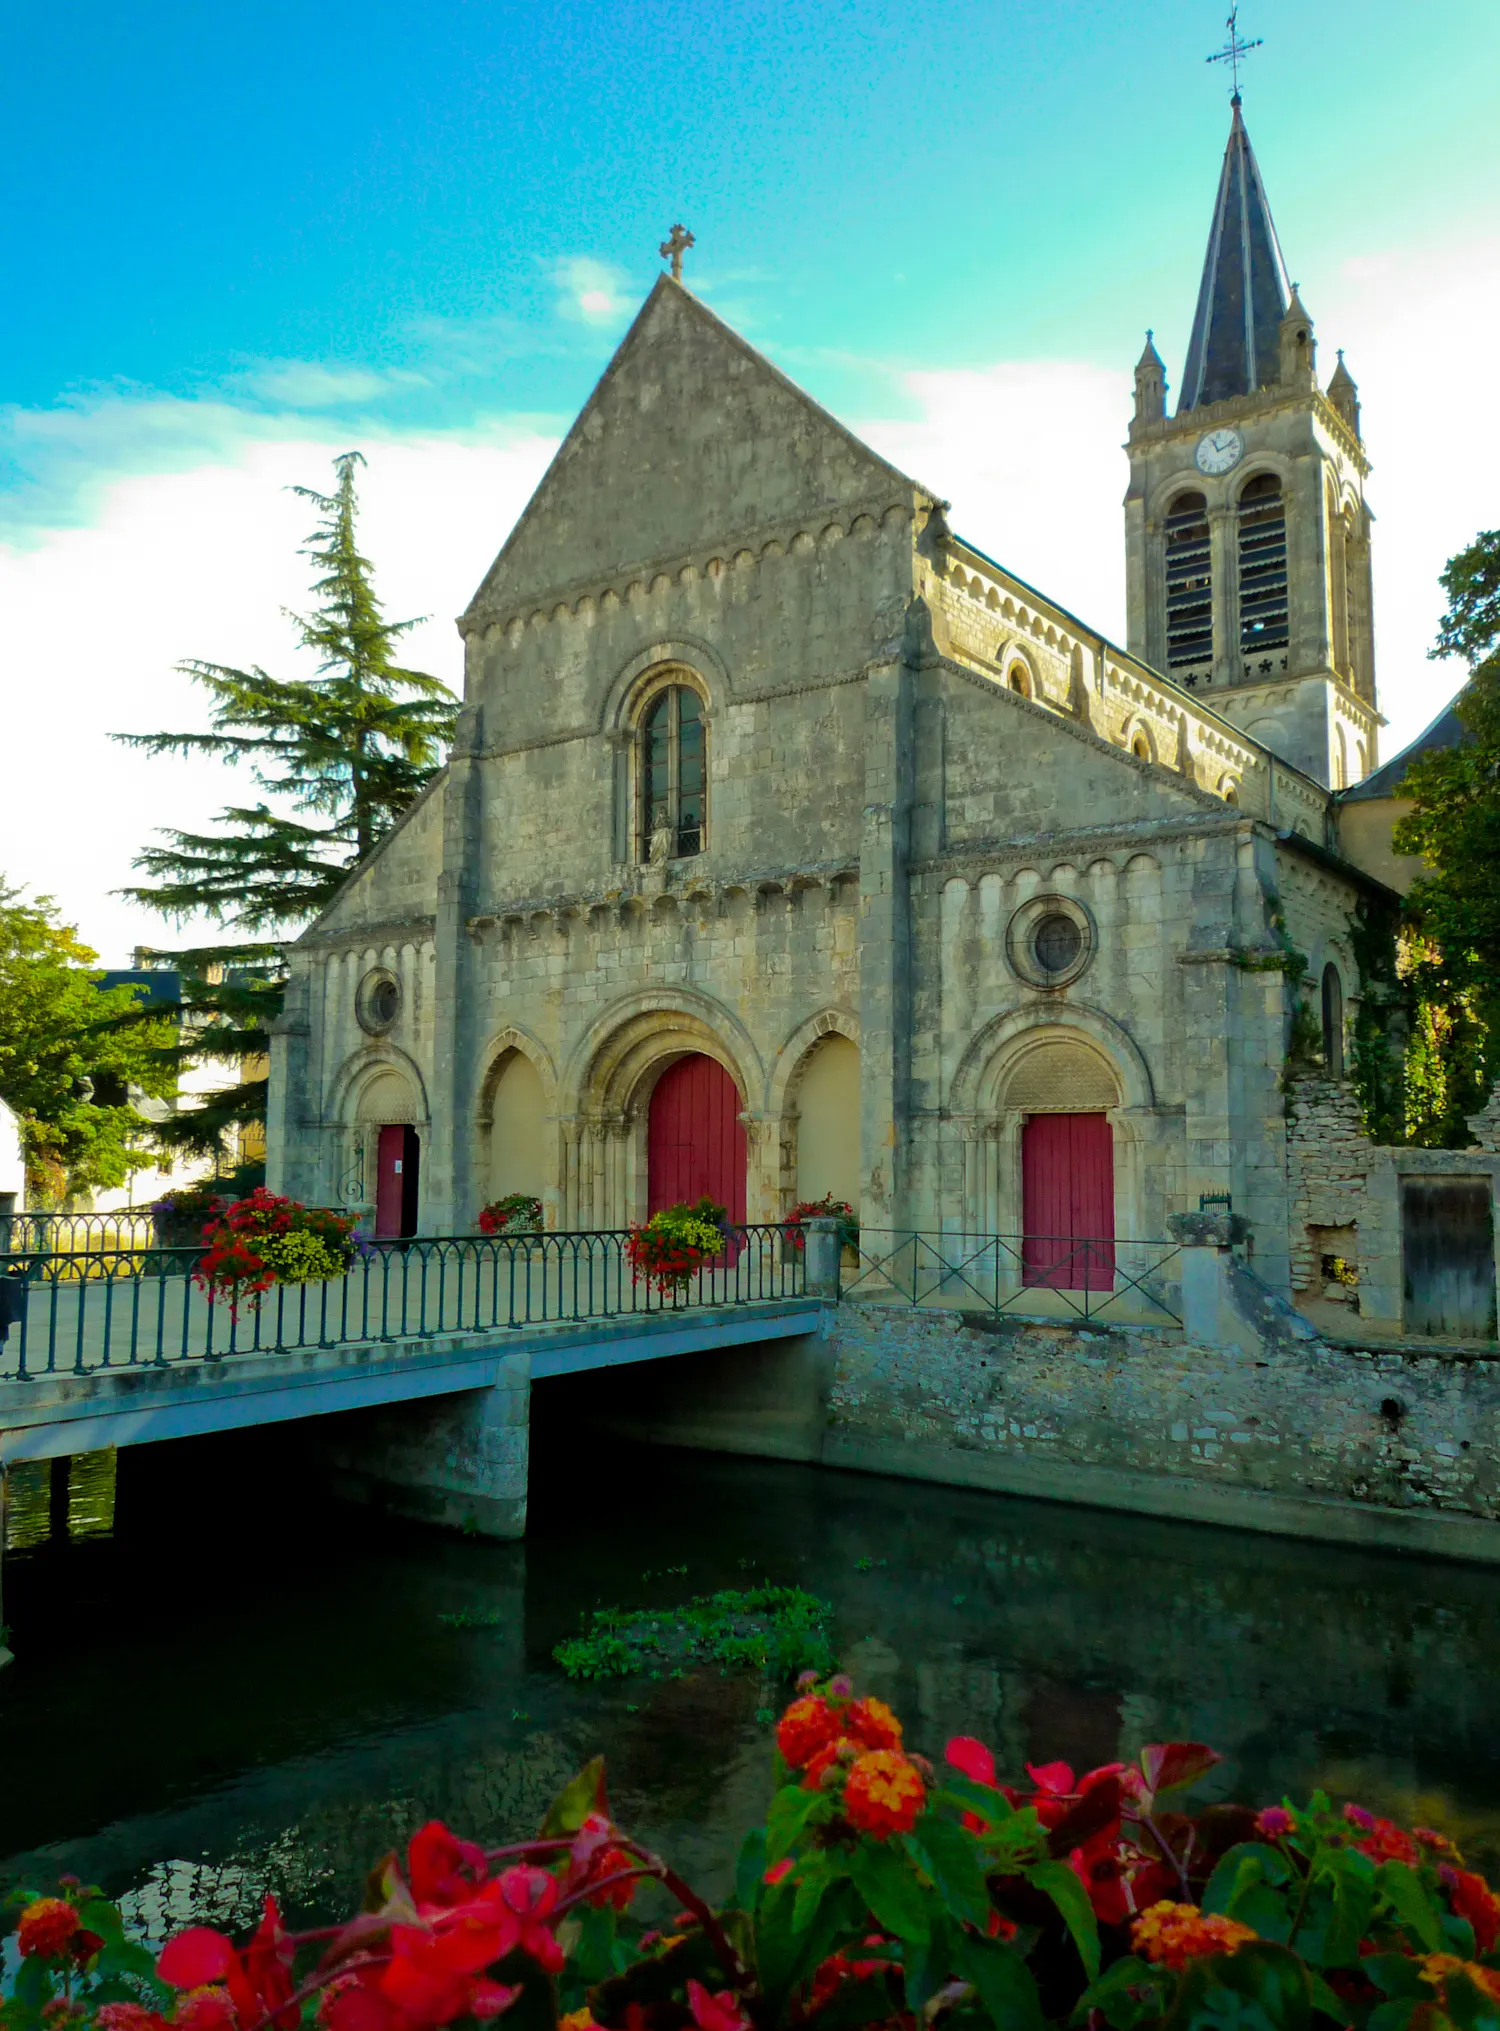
(1030,1275)
(79,1233)
(111,1308)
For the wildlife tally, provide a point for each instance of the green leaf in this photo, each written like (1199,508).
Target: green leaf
(816,1876)
(580,1796)
(1469,2006)
(1005,1984)
(971,1796)
(951,1859)
(1113,1994)
(1325,2001)
(1402,1889)
(791,1809)
(1057,1881)
(783,1957)
(1239,1871)
(1262,1987)
(881,1876)
(749,1867)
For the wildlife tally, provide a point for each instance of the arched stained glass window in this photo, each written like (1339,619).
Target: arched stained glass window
(673,776)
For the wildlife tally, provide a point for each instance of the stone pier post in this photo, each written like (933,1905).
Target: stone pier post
(459,1461)
(822,1259)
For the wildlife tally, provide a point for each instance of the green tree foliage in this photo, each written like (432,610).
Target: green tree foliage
(69,1052)
(1450,947)
(339,756)
(342,753)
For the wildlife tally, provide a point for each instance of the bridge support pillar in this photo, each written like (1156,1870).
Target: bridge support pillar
(459,1461)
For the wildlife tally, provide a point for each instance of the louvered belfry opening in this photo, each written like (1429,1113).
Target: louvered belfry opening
(1190,586)
(1264,619)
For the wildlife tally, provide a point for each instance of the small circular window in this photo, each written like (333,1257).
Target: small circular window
(1050,941)
(379,1001)
(1056,942)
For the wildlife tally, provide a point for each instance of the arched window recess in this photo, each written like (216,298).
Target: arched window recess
(673,775)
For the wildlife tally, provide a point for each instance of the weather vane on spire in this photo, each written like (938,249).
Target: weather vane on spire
(674,246)
(1233,50)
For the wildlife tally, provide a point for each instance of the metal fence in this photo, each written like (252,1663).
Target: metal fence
(1028,1275)
(110,1308)
(83,1233)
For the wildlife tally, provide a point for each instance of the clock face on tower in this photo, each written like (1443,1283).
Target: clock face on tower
(1219,452)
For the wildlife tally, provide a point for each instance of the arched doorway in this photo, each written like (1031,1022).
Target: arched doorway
(827,1100)
(695,1140)
(1068,1193)
(386,1118)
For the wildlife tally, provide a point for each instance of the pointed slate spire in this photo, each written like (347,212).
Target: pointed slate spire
(1243,295)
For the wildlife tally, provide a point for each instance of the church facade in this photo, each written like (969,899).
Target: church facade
(791,845)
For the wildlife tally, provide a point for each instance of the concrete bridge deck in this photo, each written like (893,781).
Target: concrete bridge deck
(62,1413)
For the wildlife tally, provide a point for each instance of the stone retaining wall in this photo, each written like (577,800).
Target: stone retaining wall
(1375,1444)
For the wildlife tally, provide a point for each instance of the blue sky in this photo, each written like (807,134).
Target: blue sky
(237,239)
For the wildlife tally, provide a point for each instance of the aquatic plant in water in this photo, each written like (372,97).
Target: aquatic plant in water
(881,1890)
(782,1630)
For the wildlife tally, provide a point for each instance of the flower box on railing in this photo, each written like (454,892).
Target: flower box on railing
(676,1243)
(181,1218)
(263,1240)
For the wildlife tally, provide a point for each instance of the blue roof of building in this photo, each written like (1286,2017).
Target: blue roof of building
(1243,296)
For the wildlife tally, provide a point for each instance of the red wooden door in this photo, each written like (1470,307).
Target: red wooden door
(397,1158)
(1068,1200)
(695,1140)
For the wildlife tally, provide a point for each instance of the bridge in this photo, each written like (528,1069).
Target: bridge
(117,1345)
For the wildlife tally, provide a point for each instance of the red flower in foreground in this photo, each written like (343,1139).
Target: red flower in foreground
(442,1869)
(723,2012)
(1472,1898)
(1173,1934)
(1387,1843)
(806,1726)
(48,1927)
(871,1723)
(128,2017)
(257,1983)
(884,1794)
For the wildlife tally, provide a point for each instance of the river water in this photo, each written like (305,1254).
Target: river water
(239,1685)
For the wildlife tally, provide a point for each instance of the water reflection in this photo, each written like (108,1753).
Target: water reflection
(247,1688)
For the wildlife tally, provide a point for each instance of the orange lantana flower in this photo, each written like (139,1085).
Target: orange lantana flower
(871,1723)
(807,1726)
(1436,1968)
(1173,1934)
(884,1794)
(48,1926)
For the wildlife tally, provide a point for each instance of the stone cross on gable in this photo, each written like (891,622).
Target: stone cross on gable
(674,247)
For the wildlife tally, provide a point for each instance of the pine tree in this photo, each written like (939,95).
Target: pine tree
(340,756)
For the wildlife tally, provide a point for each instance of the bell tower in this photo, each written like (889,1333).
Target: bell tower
(1247,537)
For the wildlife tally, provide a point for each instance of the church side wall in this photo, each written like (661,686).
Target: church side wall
(1165,894)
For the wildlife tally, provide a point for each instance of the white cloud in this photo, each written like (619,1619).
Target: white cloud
(310,384)
(1029,454)
(182,541)
(592,292)
(201,563)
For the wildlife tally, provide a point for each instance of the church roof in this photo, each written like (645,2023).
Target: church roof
(1446,731)
(1243,295)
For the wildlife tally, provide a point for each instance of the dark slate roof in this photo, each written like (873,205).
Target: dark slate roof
(1446,731)
(1243,295)
(156,984)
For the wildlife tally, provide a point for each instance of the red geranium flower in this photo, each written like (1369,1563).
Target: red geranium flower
(1472,1898)
(441,1868)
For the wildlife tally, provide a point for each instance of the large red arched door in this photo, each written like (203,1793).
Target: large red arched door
(1068,1200)
(695,1140)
